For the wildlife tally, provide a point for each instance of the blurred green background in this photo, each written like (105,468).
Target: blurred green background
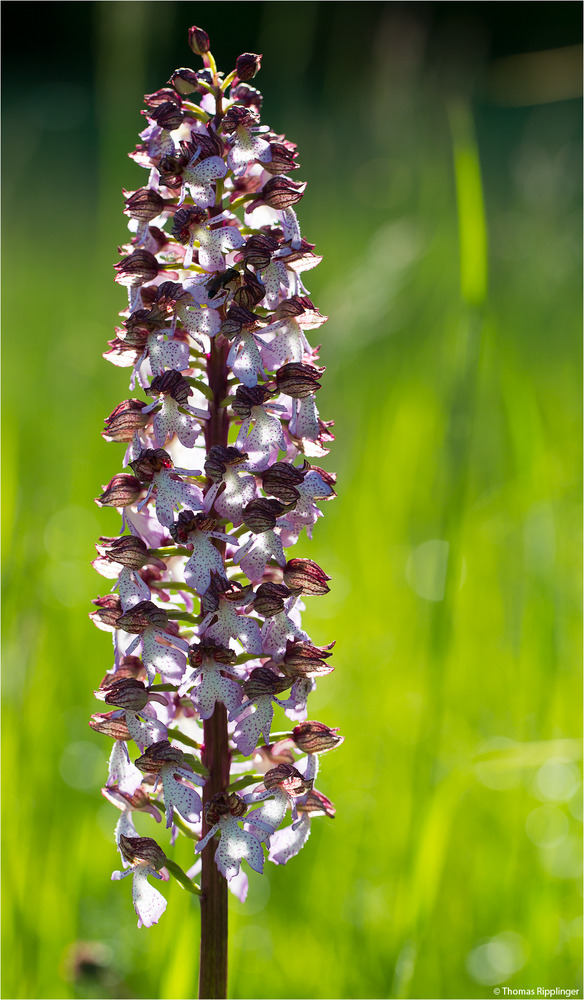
(442,146)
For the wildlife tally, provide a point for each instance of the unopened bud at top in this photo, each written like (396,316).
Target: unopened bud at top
(184,81)
(199,41)
(248,65)
(167,115)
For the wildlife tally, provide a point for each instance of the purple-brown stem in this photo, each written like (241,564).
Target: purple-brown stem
(216,755)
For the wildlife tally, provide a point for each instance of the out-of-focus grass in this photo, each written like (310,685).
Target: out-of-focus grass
(453,863)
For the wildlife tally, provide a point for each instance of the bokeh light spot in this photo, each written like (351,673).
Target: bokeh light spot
(498,959)
(82,766)
(557,780)
(546,826)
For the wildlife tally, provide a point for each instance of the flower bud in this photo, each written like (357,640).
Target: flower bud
(170,383)
(281,192)
(224,804)
(294,306)
(185,221)
(281,479)
(261,514)
(317,804)
(137,329)
(125,420)
(245,398)
(149,462)
(159,97)
(239,117)
(199,41)
(283,158)
(144,204)
(127,693)
(169,293)
(128,550)
(250,293)
(121,491)
(109,610)
(237,319)
(298,380)
(248,65)
(184,81)
(288,778)
(167,116)
(221,654)
(248,96)
(258,250)
(139,267)
(307,576)
(263,681)
(157,755)
(315,737)
(141,616)
(107,725)
(129,666)
(219,459)
(303,660)
(139,799)
(142,850)
(188,522)
(269,599)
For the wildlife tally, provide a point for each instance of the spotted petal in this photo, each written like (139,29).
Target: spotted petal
(287,843)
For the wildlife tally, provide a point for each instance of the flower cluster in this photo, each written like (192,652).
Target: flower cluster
(220,483)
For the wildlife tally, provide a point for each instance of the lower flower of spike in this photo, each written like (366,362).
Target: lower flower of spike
(166,762)
(146,859)
(236,845)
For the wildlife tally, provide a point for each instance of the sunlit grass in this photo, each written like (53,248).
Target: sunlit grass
(452,865)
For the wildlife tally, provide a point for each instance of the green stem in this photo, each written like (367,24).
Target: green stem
(174,585)
(183,616)
(168,551)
